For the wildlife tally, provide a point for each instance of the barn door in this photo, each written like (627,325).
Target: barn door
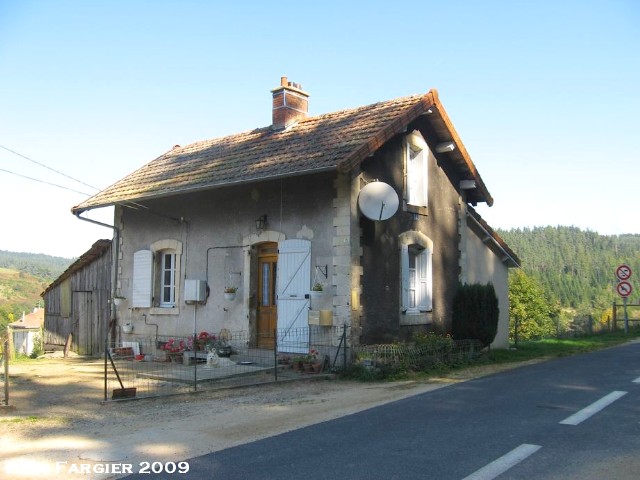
(83,322)
(293,279)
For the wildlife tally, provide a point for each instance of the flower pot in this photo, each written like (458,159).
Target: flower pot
(223,351)
(230,296)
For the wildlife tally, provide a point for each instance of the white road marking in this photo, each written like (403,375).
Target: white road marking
(504,463)
(592,409)
(637,380)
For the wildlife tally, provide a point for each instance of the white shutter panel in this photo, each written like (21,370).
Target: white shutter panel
(417,173)
(421,167)
(142,279)
(423,267)
(404,277)
(293,279)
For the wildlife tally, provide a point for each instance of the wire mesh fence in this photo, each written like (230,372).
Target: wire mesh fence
(417,357)
(143,366)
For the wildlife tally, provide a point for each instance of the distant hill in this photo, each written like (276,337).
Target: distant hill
(576,267)
(38,265)
(23,277)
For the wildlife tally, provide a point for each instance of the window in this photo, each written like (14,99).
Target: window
(168,279)
(416,251)
(156,274)
(416,168)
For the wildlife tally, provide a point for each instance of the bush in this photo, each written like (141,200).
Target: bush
(475,313)
(38,348)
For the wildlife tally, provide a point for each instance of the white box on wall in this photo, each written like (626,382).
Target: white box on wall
(195,291)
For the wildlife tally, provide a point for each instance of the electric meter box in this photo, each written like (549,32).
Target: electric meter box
(195,290)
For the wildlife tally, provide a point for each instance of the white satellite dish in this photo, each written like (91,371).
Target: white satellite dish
(378,201)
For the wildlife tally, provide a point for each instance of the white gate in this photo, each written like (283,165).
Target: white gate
(293,279)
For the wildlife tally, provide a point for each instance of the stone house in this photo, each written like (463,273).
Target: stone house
(273,211)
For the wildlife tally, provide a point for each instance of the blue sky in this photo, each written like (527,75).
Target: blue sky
(544,95)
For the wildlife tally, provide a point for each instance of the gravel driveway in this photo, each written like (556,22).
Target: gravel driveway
(59,417)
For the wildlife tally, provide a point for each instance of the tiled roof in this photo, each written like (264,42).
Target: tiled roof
(34,319)
(332,141)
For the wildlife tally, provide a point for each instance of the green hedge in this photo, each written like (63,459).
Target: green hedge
(475,313)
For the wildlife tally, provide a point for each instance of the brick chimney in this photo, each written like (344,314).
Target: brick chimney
(290,104)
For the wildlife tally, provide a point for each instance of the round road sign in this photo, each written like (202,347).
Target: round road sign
(623,272)
(624,289)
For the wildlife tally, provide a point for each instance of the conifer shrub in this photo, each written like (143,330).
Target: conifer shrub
(475,313)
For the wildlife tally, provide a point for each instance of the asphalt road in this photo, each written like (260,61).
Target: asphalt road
(570,418)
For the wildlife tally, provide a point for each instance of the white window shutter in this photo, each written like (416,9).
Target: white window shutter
(293,279)
(404,277)
(417,173)
(423,267)
(142,279)
(421,166)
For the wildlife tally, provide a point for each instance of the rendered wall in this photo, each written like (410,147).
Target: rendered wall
(484,266)
(217,231)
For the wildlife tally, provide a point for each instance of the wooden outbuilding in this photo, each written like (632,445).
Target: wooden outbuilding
(77,303)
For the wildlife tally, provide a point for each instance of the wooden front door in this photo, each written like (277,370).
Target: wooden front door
(267,310)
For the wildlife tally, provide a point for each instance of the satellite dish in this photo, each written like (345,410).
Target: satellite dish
(378,201)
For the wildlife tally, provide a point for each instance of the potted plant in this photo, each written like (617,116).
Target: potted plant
(230,293)
(317,289)
(127,328)
(174,349)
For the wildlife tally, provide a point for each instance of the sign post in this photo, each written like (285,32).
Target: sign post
(624,289)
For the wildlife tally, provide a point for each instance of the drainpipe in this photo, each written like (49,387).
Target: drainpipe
(114,255)
(114,283)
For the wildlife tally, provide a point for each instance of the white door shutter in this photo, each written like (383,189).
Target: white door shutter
(423,267)
(404,277)
(292,289)
(142,279)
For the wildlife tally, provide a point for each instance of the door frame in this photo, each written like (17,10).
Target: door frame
(270,257)
(250,279)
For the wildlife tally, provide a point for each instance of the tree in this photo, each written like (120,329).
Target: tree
(530,312)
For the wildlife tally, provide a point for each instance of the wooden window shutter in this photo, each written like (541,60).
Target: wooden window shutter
(142,279)
(404,277)
(423,267)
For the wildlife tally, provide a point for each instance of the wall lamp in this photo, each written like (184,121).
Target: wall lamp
(261,222)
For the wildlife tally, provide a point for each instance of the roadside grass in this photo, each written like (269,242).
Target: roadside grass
(530,350)
(560,347)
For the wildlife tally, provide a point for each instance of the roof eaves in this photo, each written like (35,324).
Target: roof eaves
(97,249)
(394,127)
(461,148)
(131,202)
(509,257)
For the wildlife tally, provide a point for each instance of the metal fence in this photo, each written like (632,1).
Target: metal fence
(143,366)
